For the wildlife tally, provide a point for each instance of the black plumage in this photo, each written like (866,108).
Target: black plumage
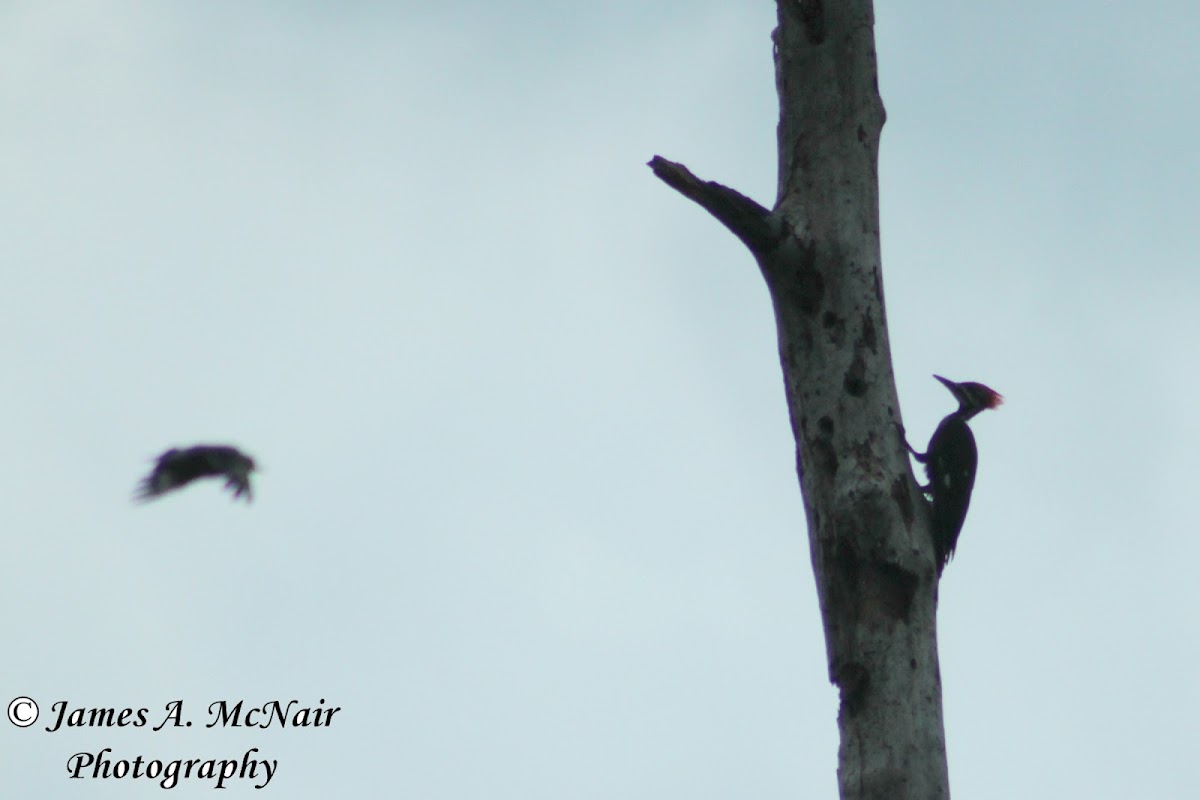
(177,467)
(950,463)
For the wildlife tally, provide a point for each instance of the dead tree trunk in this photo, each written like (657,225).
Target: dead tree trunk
(869,537)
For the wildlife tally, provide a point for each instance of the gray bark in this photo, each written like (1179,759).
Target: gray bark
(868,527)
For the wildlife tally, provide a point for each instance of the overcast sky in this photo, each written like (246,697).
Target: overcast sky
(528,511)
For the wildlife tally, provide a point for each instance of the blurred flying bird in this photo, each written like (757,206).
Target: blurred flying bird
(176,468)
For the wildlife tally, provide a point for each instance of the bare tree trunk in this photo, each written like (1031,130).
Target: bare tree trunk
(868,527)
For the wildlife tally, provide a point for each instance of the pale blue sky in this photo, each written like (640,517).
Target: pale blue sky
(528,511)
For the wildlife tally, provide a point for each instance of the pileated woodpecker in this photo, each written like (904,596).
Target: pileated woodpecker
(950,462)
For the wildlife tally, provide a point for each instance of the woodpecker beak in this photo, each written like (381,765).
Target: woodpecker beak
(955,389)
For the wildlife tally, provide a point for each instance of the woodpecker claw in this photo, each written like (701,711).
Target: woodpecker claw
(904,438)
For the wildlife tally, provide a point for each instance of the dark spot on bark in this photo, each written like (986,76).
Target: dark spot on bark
(842,564)
(912,664)
(810,289)
(862,134)
(866,461)
(806,288)
(835,326)
(903,501)
(826,425)
(826,456)
(854,381)
(892,590)
(868,334)
(812,13)
(853,680)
